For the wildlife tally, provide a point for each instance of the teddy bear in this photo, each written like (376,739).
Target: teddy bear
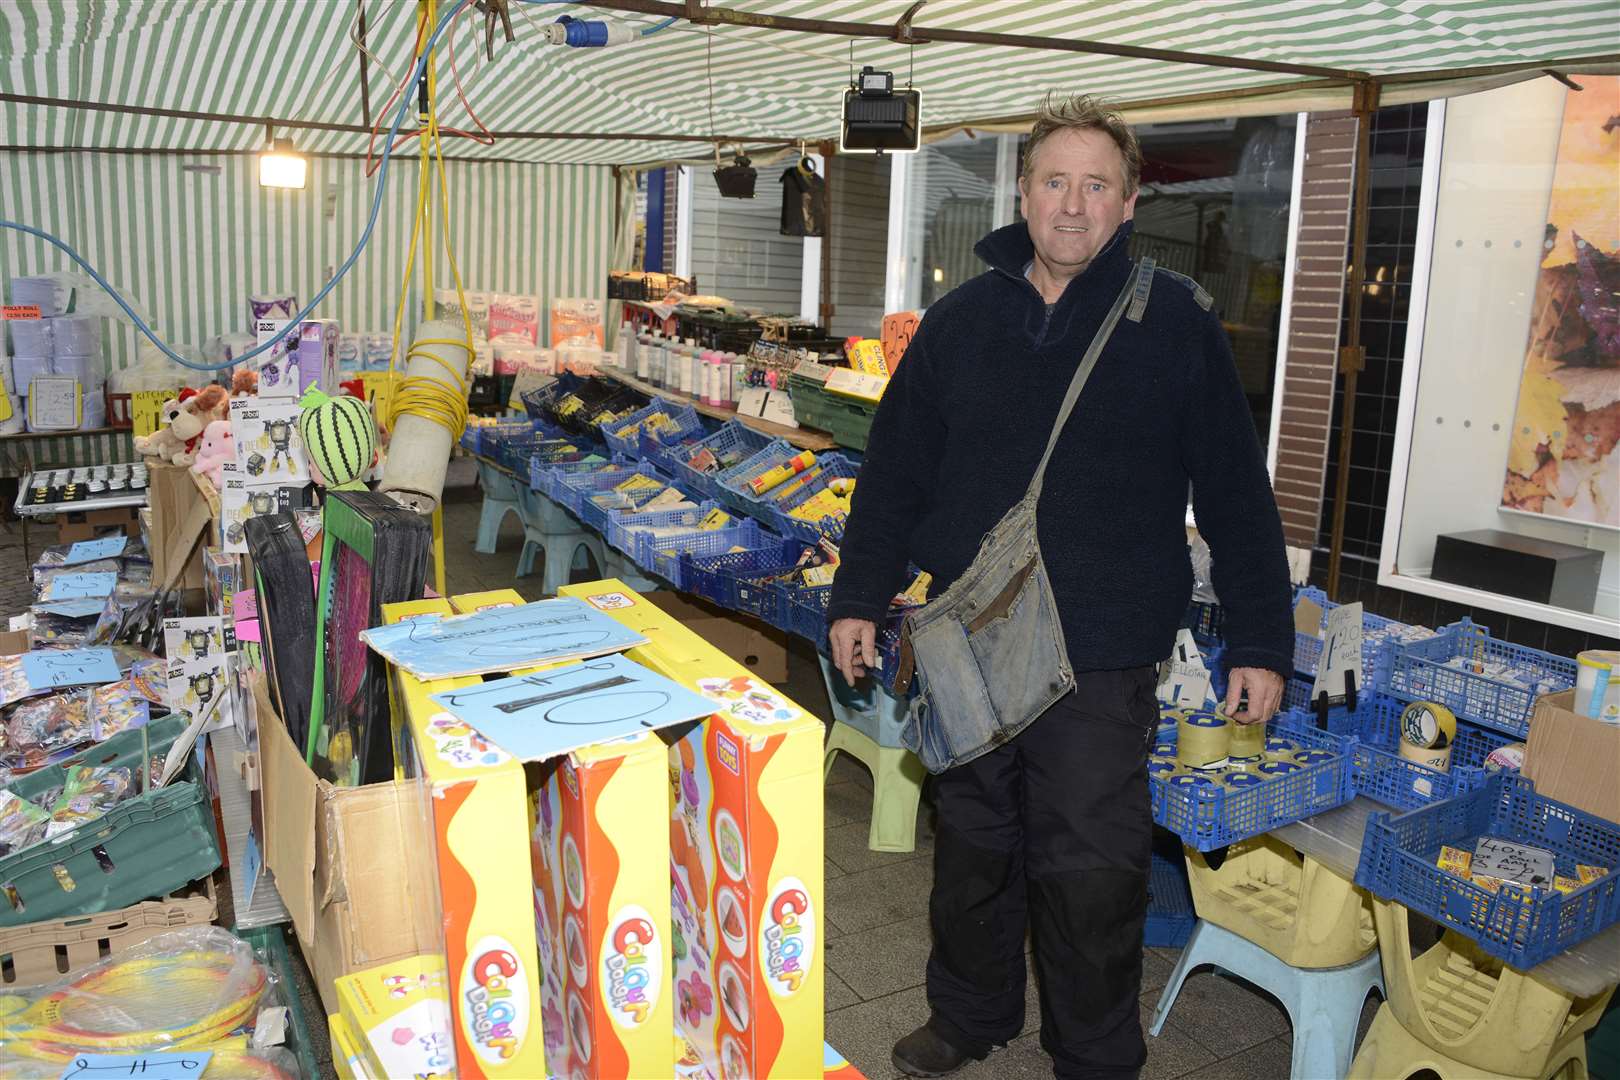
(162,443)
(217,448)
(198,408)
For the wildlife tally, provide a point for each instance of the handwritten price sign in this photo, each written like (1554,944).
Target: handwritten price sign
(146,410)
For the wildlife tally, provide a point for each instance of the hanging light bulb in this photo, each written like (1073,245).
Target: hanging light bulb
(281,165)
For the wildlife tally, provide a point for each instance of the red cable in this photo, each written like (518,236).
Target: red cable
(456,73)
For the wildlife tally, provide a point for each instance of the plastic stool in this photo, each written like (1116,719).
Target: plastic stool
(1324,1004)
(561,552)
(500,499)
(1295,908)
(866,726)
(1464,1014)
(541,513)
(618,566)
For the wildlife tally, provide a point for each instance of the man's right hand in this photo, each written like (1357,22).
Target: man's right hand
(854,647)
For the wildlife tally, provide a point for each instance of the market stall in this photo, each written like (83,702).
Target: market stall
(254,732)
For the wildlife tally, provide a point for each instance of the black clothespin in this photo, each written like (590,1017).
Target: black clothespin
(492,10)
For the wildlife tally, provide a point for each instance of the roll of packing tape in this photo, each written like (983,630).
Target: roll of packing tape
(1276,746)
(1163,767)
(1270,769)
(1437,758)
(1313,757)
(1248,741)
(1192,781)
(1238,781)
(1164,749)
(1202,740)
(1427,725)
(1597,684)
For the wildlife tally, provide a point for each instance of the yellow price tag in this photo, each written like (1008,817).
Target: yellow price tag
(146,410)
(5,406)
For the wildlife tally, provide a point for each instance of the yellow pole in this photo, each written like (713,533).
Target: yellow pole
(429,14)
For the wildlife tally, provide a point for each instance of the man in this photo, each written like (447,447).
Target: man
(1051,831)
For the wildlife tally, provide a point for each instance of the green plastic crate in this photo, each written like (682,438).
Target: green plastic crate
(146,846)
(270,942)
(848,421)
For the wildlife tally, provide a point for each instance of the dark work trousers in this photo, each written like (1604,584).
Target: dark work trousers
(1050,831)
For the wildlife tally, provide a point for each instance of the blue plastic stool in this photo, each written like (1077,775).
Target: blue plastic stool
(501,494)
(541,513)
(619,566)
(866,726)
(562,553)
(1324,1004)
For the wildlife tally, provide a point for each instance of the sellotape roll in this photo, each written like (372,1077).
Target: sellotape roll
(1202,740)
(1248,741)
(1427,725)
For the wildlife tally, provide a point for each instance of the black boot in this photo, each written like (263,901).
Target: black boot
(925,1052)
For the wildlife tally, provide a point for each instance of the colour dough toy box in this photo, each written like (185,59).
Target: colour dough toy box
(558,948)
(601,909)
(745,856)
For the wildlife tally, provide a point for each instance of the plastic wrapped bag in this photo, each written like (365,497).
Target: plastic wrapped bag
(86,795)
(196,988)
(1202,566)
(21,824)
(40,727)
(116,707)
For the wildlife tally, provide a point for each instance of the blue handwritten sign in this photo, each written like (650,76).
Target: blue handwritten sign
(501,639)
(152,1066)
(90,550)
(76,586)
(74,609)
(47,668)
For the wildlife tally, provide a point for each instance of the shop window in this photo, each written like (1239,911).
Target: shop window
(737,248)
(1509,422)
(1214,205)
(859,243)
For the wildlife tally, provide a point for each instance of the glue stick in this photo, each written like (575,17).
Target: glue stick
(759,485)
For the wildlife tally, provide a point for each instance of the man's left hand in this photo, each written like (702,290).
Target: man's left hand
(1264,689)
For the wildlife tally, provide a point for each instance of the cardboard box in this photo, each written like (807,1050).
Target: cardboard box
(756,645)
(602,908)
(1573,758)
(348,862)
(476,814)
(396,1019)
(181,519)
(746,855)
(75,525)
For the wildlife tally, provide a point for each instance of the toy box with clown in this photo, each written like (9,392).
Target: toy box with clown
(554,881)
(745,856)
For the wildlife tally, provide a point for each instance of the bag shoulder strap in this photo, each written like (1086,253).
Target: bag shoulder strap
(1135,293)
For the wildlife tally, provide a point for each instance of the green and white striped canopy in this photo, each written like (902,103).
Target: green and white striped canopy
(296,60)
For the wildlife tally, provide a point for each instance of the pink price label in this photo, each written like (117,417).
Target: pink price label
(19,311)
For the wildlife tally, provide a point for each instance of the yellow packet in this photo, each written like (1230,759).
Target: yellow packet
(917,591)
(1455,861)
(714,519)
(1566,884)
(1589,874)
(819,575)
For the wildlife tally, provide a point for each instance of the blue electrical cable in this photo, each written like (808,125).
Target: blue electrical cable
(651,30)
(406,100)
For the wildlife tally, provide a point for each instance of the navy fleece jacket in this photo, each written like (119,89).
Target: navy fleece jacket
(966,417)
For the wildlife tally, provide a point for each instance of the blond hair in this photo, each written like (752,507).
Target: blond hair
(1082,112)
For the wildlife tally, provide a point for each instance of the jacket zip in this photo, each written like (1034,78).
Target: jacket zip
(1046,312)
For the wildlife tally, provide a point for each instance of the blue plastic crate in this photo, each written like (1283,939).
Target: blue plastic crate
(713,574)
(622,528)
(1424,671)
(1382,774)
(834,466)
(584,486)
(572,487)
(673,559)
(1170,914)
(732,437)
(545,475)
(1211,817)
(669,455)
(730,487)
(1520,926)
(540,402)
(807,613)
(684,417)
(1376,644)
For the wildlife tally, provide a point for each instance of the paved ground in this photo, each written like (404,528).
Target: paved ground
(877,928)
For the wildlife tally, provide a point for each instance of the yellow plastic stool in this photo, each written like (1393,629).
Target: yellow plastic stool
(897,778)
(1464,1014)
(1298,910)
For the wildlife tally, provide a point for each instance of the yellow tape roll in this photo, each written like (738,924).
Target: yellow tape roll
(1427,725)
(1203,740)
(1248,741)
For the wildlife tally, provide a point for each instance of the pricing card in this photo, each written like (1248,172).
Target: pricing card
(1341,653)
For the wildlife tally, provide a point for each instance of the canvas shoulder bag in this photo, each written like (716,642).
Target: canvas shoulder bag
(989,651)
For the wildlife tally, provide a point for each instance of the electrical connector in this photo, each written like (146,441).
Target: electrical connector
(589,33)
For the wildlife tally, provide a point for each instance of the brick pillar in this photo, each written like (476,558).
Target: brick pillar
(1313,328)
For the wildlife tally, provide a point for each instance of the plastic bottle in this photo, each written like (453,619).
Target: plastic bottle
(711,377)
(627,347)
(722,380)
(655,362)
(643,355)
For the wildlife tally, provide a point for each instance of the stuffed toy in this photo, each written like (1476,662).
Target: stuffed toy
(244,382)
(217,448)
(198,408)
(163,443)
(339,439)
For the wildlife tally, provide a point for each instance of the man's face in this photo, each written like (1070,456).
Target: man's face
(1074,197)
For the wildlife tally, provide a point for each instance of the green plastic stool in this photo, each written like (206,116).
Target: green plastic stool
(866,727)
